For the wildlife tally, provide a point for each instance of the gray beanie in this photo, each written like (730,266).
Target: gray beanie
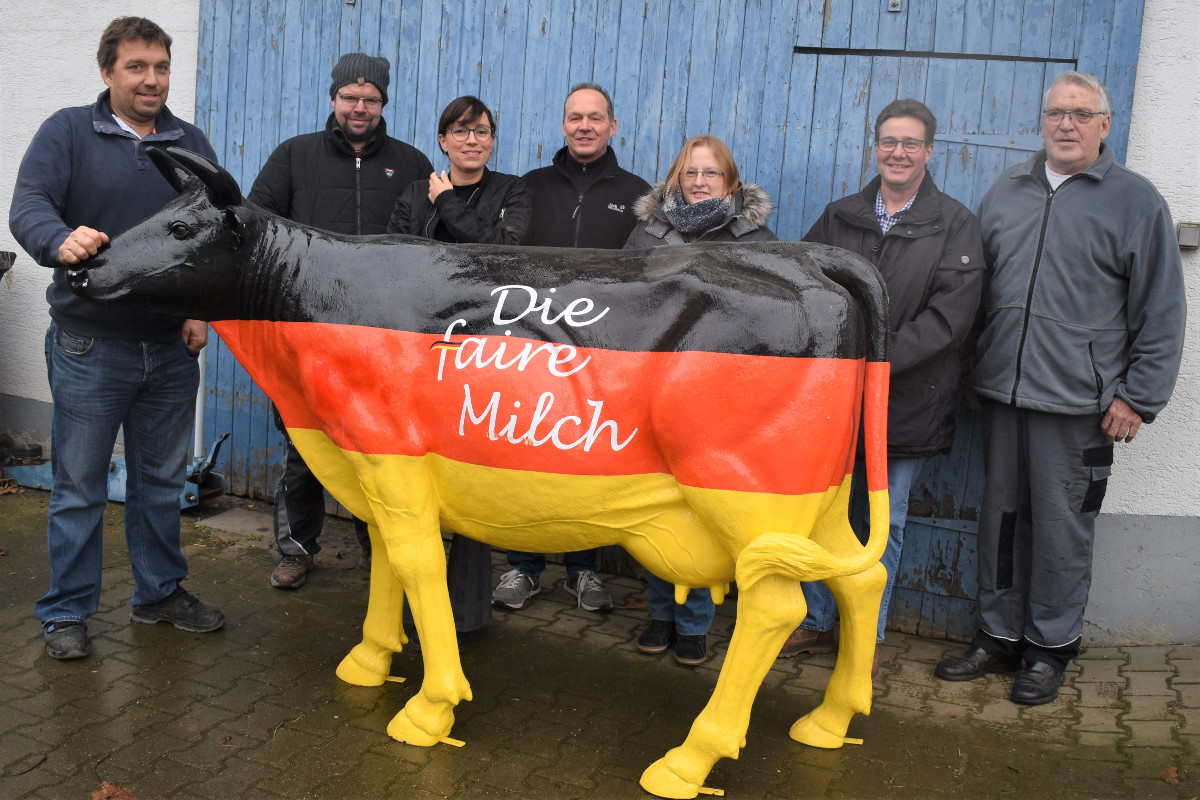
(361,68)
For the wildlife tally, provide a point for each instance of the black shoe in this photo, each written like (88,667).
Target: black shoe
(1037,684)
(66,640)
(658,637)
(975,663)
(182,610)
(691,651)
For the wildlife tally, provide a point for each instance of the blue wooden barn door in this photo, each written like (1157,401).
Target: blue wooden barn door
(981,67)
(791,85)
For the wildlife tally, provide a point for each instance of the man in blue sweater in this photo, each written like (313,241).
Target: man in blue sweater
(85,179)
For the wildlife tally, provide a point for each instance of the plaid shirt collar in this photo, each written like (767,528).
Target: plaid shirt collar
(886,222)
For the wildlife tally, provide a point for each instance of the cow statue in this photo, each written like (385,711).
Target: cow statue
(698,405)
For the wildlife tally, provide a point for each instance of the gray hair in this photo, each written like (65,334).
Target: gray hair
(1085,80)
(595,87)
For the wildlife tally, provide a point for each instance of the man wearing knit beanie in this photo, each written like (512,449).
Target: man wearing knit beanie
(344,179)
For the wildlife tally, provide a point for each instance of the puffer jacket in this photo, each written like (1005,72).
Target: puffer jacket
(747,221)
(932,263)
(497,212)
(317,179)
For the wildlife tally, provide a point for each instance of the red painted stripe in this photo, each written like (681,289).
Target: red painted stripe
(713,420)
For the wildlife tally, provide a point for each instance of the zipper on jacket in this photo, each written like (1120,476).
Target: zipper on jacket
(1095,372)
(579,204)
(358,192)
(431,224)
(1037,263)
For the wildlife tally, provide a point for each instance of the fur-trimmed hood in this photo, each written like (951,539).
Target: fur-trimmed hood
(751,202)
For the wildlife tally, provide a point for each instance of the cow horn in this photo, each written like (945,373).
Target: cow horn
(176,174)
(223,190)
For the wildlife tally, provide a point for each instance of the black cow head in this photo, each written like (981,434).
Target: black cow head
(185,260)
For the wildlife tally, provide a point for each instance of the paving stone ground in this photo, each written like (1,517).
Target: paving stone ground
(564,707)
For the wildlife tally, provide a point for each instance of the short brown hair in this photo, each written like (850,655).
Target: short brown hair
(122,29)
(720,153)
(913,109)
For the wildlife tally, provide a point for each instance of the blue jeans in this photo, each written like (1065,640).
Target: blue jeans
(532,565)
(822,610)
(693,618)
(98,386)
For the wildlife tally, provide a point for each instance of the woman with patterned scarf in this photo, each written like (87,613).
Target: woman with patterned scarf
(702,200)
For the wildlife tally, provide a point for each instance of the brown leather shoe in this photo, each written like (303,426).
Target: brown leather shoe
(803,640)
(291,572)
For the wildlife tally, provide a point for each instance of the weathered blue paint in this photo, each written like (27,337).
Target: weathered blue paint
(798,121)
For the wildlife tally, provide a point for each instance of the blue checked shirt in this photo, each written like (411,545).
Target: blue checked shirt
(886,222)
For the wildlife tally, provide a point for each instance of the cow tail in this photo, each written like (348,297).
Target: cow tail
(798,557)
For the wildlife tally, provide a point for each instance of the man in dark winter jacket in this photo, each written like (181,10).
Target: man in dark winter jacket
(344,179)
(85,178)
(929,250)
(1084,329)
(582,200)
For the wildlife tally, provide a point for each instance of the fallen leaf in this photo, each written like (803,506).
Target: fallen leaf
(1170,775)
(110,791)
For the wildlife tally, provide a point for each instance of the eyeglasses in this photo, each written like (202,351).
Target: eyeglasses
(371,103)
(482,133)
(1055,115)
(709,174)
(909,145)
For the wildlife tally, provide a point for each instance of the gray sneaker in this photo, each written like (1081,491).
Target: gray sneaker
(66,640)
(515,589)
(590,591)
(181,609)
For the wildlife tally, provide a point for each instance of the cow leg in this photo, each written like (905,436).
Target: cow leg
(767,613)
(849,690)
(369,663)
(415,549)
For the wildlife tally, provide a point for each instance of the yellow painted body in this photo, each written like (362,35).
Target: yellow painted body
(692,537)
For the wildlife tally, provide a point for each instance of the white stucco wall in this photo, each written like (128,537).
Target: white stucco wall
(48,61)
(1157,474)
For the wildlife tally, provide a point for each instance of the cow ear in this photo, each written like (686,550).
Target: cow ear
(236,219)
(223,190)
(176,174)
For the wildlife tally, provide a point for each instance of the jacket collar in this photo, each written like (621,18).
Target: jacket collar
(334,134)
(575,170)
(923,210)
(751,207)
(166,127)
(1035,167)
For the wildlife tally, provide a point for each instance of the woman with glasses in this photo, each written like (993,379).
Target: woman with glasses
(469,202)
(702,200)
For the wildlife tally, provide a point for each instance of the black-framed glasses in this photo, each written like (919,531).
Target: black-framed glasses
(910,145)
(1078,116)
(371,103)
(709,174)
(482,134)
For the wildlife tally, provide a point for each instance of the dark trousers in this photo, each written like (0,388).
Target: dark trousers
(300,509)
(1046,476)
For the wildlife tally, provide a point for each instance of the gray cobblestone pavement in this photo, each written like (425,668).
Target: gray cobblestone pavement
(564,705)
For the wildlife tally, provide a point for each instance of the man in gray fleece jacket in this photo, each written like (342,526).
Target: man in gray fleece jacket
(1081,345)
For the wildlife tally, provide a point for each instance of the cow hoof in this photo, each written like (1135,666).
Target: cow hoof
(355,672)
(808,731)
(402,729)
(661,780)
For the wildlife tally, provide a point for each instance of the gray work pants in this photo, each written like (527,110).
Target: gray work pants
(1045,479)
